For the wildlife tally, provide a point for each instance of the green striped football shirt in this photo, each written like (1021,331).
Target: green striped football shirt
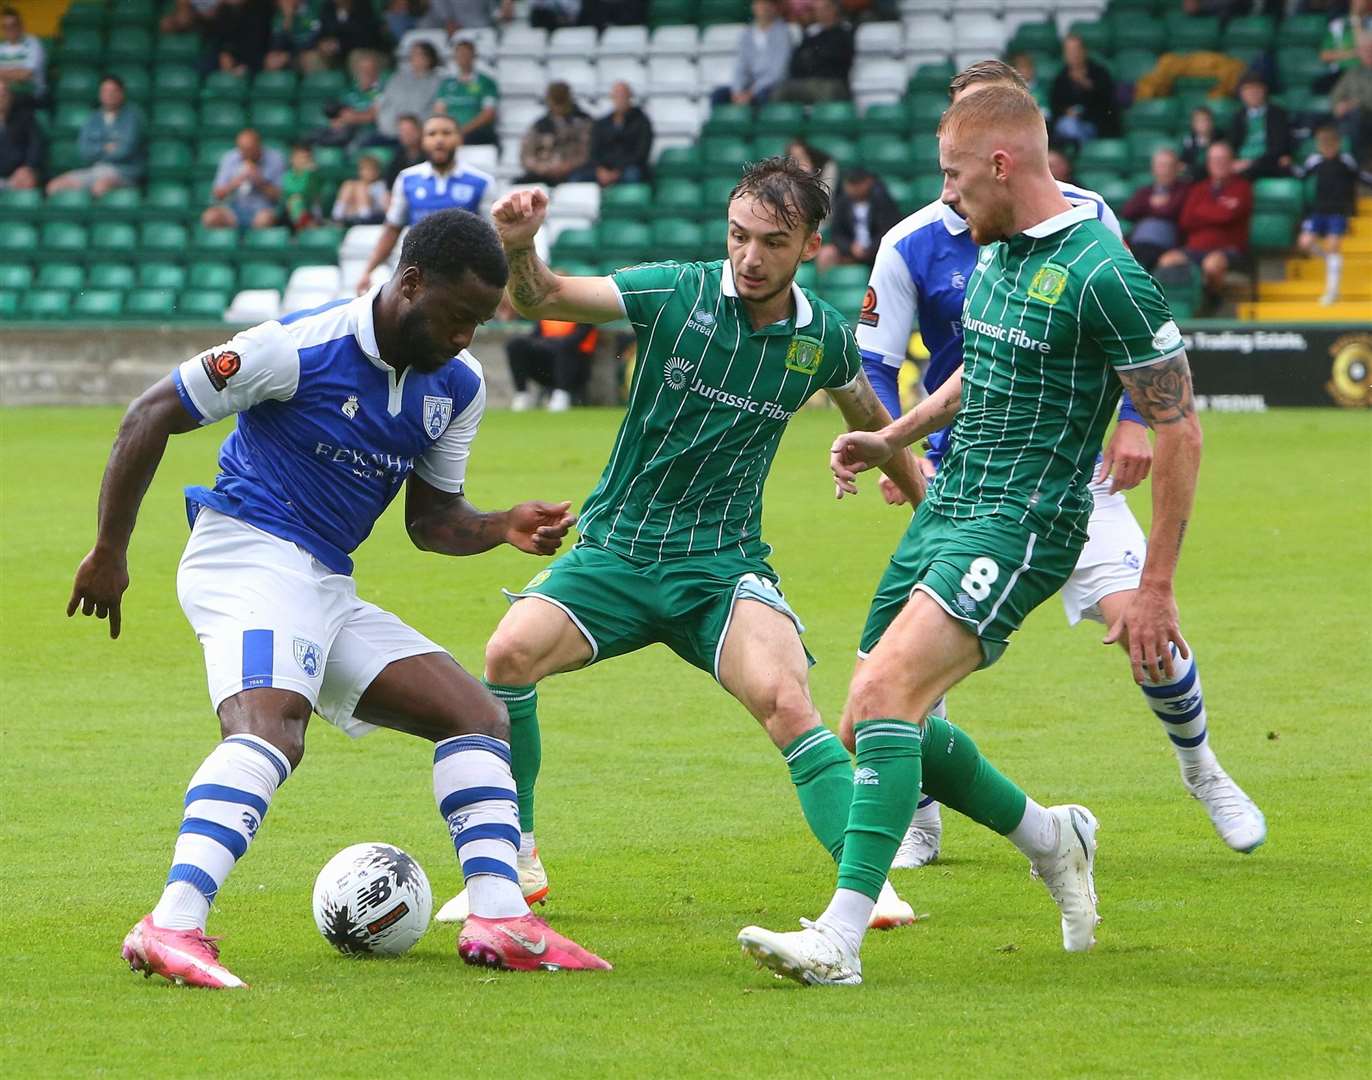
(709,402)
(1049,317)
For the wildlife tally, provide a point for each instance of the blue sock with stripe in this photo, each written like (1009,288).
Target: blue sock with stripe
(1178,703)
(475,792)
(225,804)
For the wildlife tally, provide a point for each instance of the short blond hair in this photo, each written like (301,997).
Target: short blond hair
(998,107)
(986,72)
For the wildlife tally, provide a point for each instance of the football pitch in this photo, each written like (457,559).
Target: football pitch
(667,821)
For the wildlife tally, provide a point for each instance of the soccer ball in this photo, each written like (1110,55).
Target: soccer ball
(372,898)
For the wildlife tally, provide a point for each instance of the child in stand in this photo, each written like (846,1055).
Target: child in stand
(1195,144)
(1336,183)
(362,200)
(300,186)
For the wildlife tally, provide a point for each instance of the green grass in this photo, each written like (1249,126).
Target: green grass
(667,820)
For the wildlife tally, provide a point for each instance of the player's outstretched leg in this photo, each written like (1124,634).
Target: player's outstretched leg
(225,805)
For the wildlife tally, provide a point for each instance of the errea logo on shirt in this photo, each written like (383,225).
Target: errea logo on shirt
(701,321)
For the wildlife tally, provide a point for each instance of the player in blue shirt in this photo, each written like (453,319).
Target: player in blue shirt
(337,408)
(917,282)
(441,182)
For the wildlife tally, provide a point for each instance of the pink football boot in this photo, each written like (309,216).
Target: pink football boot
(525,943)
(186,957)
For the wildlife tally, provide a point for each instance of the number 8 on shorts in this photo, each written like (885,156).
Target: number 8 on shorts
(980,576)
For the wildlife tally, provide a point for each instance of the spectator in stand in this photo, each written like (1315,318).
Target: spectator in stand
(345,25)
(1082,102)
(23,67)
(301,187)
(816,161)
(450,16)
(439,182)
(411,90)
(1260,133)
(1336,194)
(110,145)
(557,355)
(603,13)
(1340,48)
(295,31)
(551,14)
(21,143)
(410,134)
(622,140)
(1060,165)
(1214,220)
(362,200)
(189,16)
(354,117)
(764,54)
(1195,144)
(822,61)
(1351,103)
(237,35)
(470,97)
(1155,210)
(1024,66)
(863,212)
(557,146)
(247,185)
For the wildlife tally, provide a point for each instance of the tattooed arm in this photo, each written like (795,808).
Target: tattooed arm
(447,523)
(858,450)
(535,291)
(863,411)
(1162,395)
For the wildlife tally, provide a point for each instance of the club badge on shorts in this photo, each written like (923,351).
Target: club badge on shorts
(437,412)
(1049,281)
(804,355)
(309,656)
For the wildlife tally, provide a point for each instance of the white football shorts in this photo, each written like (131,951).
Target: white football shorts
(268,613)
(1111,561)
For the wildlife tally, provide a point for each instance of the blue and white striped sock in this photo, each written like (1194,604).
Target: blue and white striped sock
(1178,703)
(226,803)
(475,792)
(924,801)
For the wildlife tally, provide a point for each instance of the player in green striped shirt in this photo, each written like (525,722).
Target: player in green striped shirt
(1057,316)
(671,546)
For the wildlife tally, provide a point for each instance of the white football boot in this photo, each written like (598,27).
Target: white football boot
(812,957)
(559,401)
(1069,875)
(920,846)
(890,911)
(1235,816)
(533,883)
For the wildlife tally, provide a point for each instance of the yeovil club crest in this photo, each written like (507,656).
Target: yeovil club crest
(804,355)
(1049,281)
(437,412)
(676,371)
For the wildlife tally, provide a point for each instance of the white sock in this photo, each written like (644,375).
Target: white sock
(475,792)
(1180,705)
(1333,272)
(1037,835)
(847,917)
(526,844)
(226,802)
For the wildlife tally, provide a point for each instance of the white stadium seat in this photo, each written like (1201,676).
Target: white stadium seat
(623,41)
(257,305)
(673,116)
(674,41)
(879,39)
(520,76)
(320,278)
(578,74)
(485,158)
(979,32)
(928,35)
(575,200)
(573,41)
(359,241)
(721,40)
(612,70)
(878,79)
(523,41)
(437,38)
(486,40)
(516,116)
(673,75)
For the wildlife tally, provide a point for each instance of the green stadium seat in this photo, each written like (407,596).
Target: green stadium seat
(114,237)
(1141,146)
(580,243)
(77,85)
(203,305)
(1298,67)
(723,11)
(730,119)
(123,204)
(769,144)
(672,12)
(1223,109)
(309,116)
(178,48)
(842,277)
(723,150)
(64,238)
(319,245)
(159,304)
(1192,33)
(1133,64)
(1162,115)
(63,156)
(138,12)
(680,161)
(174,119)
(886,118)
(807,277)
(273,119)
(162,240)
(98,304)
(18,240)
(223,86)
(903,193)
(128,43)
(162,275)
(1112,187)
(220,119)
(932,79)
(1129,31)
(15,277)
(67,206)
(267,244)
(1096,36)
(262,275)
(20,204)
(926,110)
(87,16)
(112,275)
(679,198)
(1303,31)
(48,305)
(167,200)
(783,117)
(137,81)
(677,238)
(80,44)
(886,157)
(215,243)
(323,86)
(9,304)
(1181,288)
(1034,37)
(176,82)
(216,276)
(628,242)
(631,201)
(1279,194)
(68,119)
(1271,231)
(833,118)
(848,299)
(169,159)
(1104,154)
(275,86)
(61,275)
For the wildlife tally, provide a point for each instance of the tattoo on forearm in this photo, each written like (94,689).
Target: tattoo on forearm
(859,404)
(1161,392)
(1181,533)
(528,285)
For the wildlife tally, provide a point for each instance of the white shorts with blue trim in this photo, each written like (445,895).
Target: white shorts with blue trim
(1111,561)
(268,613)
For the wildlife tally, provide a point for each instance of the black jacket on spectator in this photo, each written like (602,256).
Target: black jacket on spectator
(1279,142)
(616,145)
(21,143)
(241,29)
(357,28)
(1097,104)
(883,216)
(825,55)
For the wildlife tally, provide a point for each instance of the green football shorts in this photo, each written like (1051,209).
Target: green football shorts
(986,572)
(621,604)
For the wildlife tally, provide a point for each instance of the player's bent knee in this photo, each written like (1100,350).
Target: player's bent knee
(791,715)
(510,659)
(275,716)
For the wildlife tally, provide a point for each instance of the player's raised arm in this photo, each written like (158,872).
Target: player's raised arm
(103,574)
(864,412)
(535,291)
(858,451)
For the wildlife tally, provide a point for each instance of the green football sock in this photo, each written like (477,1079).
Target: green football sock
(526,746)
(885,791)
(823,775)
(958,776)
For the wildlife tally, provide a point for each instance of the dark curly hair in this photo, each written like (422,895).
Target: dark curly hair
(448,243)
(793,193)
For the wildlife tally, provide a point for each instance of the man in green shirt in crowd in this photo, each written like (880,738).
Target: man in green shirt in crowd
(671,549)
(1057,317)
(470,97)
